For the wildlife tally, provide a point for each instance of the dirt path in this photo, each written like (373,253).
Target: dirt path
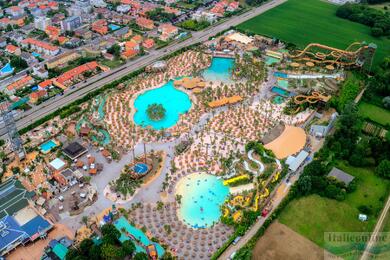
(366,254)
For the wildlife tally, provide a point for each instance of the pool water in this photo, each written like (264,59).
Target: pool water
(280,75)
(138,235)
(220,70)
(7,69)
(278,100)
(280,91)
(35,54)
(140,168)
(113,27)
(202,196)
(48,146)
(174,101)
(271,60)
(283,83)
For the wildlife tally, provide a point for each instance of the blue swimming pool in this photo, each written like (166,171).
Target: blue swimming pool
(7,69)
(280,91)
(48,146)
(35,54)
(113,27)
(280,74)
(140,237)
(140,168)
(202,195)
(220,70)
(174,101)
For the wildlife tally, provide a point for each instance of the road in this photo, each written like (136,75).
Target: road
(102,79)
(378,227)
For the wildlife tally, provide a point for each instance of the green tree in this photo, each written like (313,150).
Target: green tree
(110,252)
(140,256)
(156,112)
(111,234)
(128,248)
(85,246)
(115,50)
(383,169)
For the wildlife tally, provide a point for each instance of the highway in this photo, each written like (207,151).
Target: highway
(81,89)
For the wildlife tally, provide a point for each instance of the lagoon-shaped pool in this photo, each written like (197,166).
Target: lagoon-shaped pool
(219,70)
(202,195)
(174,101)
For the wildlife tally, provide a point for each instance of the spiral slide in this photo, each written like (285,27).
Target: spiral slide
(260,164)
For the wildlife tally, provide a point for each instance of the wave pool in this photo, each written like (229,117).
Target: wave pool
(219,70)
(202,195)
(174,101)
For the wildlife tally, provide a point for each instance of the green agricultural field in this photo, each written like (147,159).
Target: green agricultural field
(313,21)
(375,113)
(313,215)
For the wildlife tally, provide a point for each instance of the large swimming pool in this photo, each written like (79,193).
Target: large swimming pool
(202,195)
(174,101)
(220,70)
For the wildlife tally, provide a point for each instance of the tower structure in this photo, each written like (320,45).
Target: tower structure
(11,130)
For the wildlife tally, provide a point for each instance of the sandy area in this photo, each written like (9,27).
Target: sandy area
(35,250)
(281,242)
(291,141)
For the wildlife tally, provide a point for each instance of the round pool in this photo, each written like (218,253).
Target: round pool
(140,168)
(202,195)
(174,101)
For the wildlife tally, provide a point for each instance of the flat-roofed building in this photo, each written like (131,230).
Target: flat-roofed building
(62,59)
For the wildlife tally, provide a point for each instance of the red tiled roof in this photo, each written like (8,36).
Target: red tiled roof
(70,74)
(41,44)
(20,83)
(11,48)
(45,83)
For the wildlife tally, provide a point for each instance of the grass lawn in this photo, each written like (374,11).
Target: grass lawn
(375,113)
(313,215)
(313,21)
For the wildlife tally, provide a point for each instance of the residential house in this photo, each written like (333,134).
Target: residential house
(84,33)
(128,54)
(40,46)
(12,49)
(167,31)
(19,84)
(123,9)
(233,6)
(148,44)
(137,39)
(35,96)
(204,16)
(46,84)
(3,42)
(28,57)
(66,79)
(53,32)
(145,23)
(15,11)
(39,71)
(62,59)
(100,26)
(132,45)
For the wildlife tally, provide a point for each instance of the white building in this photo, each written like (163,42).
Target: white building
(41,22)
(98,3)
(123,8)
(204,16)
